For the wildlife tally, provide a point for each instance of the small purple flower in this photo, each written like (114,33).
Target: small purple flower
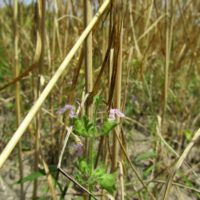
(115,113)
(67,107)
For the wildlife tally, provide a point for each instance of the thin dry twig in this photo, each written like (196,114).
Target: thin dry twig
(179,185)
(75,182)
(158,131)
(134,168)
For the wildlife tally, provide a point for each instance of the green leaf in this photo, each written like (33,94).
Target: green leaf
(96,174)
(107,182)
(31,177)
(84,167)
(188,134)
(97,100)
(108,125)
(84,127)
(148,171)
(37,174)
(146,155)
(100,171)
(187,181)
(79,127)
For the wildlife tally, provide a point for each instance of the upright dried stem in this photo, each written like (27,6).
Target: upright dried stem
(88,76)
(118,79)
(88,55)
(41,37)
(17,93)
(169,28)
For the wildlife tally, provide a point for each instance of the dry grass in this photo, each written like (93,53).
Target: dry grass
(141,57)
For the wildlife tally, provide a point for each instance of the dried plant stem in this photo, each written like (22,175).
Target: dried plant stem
(121,178)
(50,181)
(134,168)
(21,129)
(110,67)
(88,56)
(169,28)
(69,131)
(139,54)
(17,94)
(65,42)
(41,37)
(57,30)
(117,95)
(178,185)
(78,184)
(88,78)
(162,139)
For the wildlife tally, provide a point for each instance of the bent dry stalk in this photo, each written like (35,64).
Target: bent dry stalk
(23,126)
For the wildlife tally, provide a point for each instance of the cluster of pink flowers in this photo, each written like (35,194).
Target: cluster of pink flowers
(115,113)
(112,114)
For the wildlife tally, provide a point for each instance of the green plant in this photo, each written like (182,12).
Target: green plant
(86,128)
(98,177)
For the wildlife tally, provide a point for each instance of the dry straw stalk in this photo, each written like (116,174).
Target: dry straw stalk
(21,129)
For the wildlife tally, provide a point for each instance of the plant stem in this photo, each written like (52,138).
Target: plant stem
(41,38)
(18,99)
(117,90)
(169,28)
(88,78)
(88,69)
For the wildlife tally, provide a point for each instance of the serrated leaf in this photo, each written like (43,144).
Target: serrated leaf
(108,125)
(79,127)
(84,127)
